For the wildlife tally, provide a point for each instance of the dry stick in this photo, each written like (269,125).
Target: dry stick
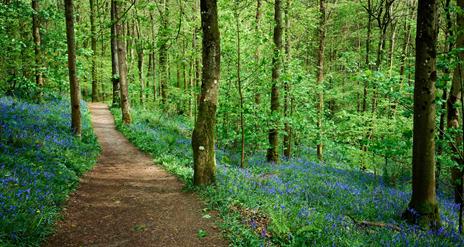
(365,223)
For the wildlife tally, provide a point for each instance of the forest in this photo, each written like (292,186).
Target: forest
(231,122)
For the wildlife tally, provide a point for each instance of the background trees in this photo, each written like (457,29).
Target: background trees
(344,68)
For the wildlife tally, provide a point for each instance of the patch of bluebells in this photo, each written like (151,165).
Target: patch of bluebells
(40,162)
(309,204)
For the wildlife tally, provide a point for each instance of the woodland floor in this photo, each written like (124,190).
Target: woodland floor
(127,201)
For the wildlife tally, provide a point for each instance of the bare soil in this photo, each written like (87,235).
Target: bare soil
(126,200)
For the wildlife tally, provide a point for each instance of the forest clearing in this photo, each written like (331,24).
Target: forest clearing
(231,122)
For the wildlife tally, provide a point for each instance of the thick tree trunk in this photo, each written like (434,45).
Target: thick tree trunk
(320,79)
(93,43)
(272,152)
(203,136)
(125,104)
(37,48)
(423,207)
(76,126)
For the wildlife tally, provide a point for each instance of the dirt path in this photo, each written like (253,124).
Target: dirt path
(127,201)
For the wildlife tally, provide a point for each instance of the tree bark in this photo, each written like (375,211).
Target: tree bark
(258,48)
(239,83)
(444,97)
(453,111)
(76,126)
(320,79)
(287,111)
(163,46)
(37,48)
(140,62)
(423,207)
(93,43)
(203,136)
(272,153)
(114,57)
(407,40)
(368,47)
(124,92)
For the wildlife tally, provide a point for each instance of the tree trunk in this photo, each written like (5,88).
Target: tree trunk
(272,153)
(140,63)
(287,111)
(320,79)
(93,42)
(368,47)
(258,48)
(37,48)
(453,111)
(203,136)
(125,104)
(76,126)
(163,52)
(239,83)
(391,52)
(423,207)
(407,40)
(444,97)
(114,57)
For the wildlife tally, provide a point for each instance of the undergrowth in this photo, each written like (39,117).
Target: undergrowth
(40,162)
(295,203)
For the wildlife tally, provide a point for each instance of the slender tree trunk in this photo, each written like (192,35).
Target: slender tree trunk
(149,73)
(37,48)
(272,152)
(125,104)
(114,57)
(404,61)
(184,77)
(444,97)
(391,52)
(239,83)
(155,88)
(453,111)
(140,63)
(76,126)
(203,136)
(163,52)
(287,111)
(320,79)
(368,47)
(423,207)
(258,47)
(93,42)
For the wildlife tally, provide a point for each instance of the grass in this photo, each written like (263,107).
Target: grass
(40,162)
(295,203)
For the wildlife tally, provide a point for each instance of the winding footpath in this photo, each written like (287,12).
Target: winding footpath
(128,201)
